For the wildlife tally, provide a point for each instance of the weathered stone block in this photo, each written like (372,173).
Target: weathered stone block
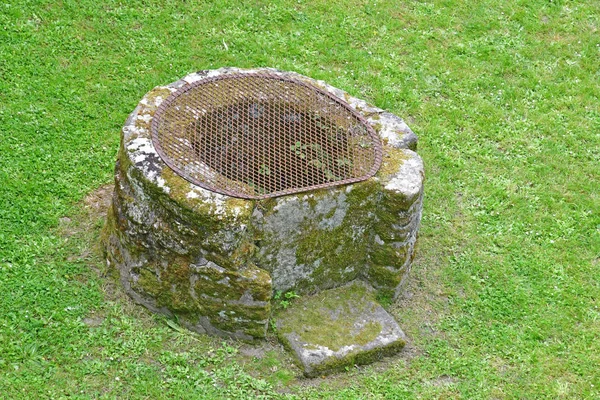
(338,328)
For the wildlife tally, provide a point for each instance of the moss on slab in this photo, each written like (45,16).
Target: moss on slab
(335,364)
(338,328)
(328,319)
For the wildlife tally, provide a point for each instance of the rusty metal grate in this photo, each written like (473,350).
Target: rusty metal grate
(263,135)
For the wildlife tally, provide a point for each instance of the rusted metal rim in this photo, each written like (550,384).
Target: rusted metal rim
(262,135)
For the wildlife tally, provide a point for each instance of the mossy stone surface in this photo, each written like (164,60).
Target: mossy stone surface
(317,240)
(213,261)
(179,249)
(326,238)
(338,328)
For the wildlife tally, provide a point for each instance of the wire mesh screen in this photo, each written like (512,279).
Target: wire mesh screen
(262,135)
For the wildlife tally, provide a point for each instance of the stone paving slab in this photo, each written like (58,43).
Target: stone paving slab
(338,328)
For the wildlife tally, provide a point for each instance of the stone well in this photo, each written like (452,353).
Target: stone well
(214,261)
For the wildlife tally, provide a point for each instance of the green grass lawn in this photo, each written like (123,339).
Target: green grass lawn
(503,300)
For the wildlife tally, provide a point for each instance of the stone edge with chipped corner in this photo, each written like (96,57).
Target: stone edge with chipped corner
(317,360)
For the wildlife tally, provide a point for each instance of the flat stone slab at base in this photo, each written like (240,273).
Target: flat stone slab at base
(338,328)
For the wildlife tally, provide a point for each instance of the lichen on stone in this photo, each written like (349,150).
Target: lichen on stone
(316,241)
(213,260)
(326,320)
(337,328)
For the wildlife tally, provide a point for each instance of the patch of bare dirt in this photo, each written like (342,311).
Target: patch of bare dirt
(90,215)
(97,202)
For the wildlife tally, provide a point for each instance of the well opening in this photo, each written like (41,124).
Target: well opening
(258,136)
